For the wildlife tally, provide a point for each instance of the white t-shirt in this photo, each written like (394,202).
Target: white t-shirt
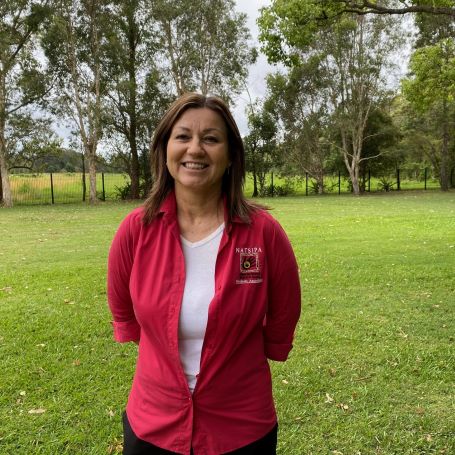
(200,260)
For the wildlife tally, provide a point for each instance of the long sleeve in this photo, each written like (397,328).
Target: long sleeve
(284,302)
(120,263)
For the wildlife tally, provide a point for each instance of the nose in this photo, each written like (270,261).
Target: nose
(195,147)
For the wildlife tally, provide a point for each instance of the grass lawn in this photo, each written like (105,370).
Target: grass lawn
(372,370)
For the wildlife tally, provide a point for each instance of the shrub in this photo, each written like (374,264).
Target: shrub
(277,190)
(385,184)
(123,192)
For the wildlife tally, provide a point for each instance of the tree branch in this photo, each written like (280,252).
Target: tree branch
(362,7)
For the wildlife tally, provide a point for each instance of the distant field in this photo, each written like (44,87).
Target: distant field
(372,369)
(36,188)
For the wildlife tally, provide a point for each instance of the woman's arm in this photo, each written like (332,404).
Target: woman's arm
(283,309)
(120,263)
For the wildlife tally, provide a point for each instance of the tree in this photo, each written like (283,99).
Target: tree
(419,139)
(362,7)
(432,88)
(300,103)
(30,142)
(260,145)
(432,29)
(22,81)
(73,45)
(308,17)
(353,54)
(205,45)
(136,93)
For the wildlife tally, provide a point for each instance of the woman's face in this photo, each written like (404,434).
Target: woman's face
(197,151)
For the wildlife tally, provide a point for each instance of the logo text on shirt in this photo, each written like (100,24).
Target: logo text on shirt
(250,267)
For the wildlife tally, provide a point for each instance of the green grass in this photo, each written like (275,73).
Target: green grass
(372,370)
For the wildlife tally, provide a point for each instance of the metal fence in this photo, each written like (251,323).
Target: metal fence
(65,187)
(62,187)
(402,179)
(339,183)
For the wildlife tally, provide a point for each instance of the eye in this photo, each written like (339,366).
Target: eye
(210,139)
(182,137)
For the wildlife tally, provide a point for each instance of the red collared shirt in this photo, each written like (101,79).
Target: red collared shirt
(252,317)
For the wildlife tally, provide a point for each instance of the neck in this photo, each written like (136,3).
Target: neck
(198,214)
(195,206)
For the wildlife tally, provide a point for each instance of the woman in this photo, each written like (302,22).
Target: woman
(207,285)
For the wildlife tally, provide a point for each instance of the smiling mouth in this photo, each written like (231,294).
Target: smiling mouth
(192,165)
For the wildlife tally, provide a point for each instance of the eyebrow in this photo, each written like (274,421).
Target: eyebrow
(207,130)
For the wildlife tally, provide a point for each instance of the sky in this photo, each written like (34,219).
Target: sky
(258,71)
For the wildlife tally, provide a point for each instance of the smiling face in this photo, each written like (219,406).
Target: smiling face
(197,151)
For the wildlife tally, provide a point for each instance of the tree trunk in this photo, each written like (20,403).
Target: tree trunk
(355,181)
(352,162)
(146,171)
(255,184)
(91,158)
(6,199)
(134,171)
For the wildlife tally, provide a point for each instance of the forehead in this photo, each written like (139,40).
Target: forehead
(200,119)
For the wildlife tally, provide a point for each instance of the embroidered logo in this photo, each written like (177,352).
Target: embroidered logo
(250,267)
(249,263)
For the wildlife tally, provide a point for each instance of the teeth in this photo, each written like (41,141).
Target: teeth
(194,165)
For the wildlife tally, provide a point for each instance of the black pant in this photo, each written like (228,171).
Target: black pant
(132,445)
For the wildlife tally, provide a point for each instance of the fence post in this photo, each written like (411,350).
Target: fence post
(339,182)
(369,181)
(306,183)
(271,185)
(102,181)
(398,180)
(425,178)
(52,188)
(451,178)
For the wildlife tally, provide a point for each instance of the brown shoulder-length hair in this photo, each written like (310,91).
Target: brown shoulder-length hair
(233,178)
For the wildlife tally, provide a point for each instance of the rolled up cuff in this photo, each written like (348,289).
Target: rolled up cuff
(278,352)
(126,331)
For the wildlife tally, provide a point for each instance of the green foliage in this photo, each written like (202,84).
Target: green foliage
(286,189)
(287,25)
(337,78)
(433,68)
(385,184)
(261,154)
(292,24)
(431,93)
(123,192)
(31,141)
(205,44)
